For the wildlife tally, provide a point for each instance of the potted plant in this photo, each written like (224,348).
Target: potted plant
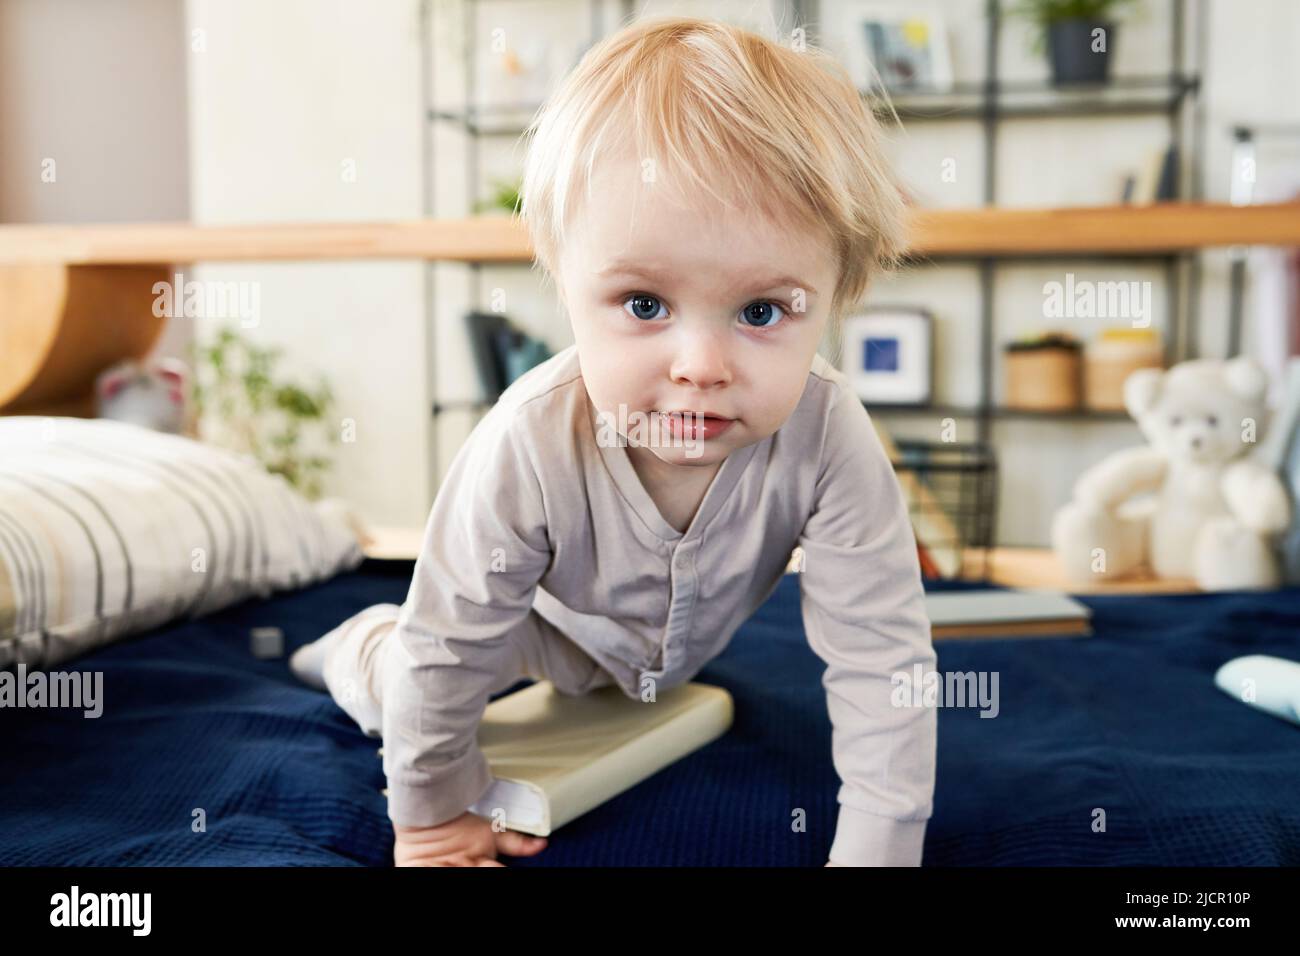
(243,404)
(505,197)
(1079,36)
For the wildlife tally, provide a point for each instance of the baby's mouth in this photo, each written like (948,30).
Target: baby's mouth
(692,426)
(691,416)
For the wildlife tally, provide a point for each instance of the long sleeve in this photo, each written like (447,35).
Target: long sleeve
(864,613)
(485,548)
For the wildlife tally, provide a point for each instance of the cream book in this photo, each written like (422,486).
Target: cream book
(554,757)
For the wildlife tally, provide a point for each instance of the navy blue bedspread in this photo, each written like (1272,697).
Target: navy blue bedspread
(196,731)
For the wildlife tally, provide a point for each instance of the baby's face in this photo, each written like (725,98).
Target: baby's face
(691,309)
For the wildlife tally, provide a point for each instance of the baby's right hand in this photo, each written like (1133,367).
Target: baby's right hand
(467,840)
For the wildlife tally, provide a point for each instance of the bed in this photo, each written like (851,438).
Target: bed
(207,755)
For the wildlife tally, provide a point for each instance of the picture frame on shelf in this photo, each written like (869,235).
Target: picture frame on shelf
(888,355)
(892,47)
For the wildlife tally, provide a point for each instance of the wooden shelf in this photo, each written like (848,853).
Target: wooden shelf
(1002,411)
(937,233)
(480,239)
(1158,228)
(1038,569)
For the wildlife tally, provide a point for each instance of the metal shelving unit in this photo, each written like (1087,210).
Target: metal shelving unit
(988,101)
(1245,139)
(500,121)
(1175,95)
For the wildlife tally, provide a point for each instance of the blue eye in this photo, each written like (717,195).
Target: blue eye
(758,315)
(646,303)
(762,311)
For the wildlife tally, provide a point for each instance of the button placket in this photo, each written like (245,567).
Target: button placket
(685,586)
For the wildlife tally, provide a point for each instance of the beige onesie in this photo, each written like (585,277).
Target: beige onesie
(545,556)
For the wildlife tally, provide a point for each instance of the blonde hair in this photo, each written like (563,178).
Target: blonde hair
(782,129)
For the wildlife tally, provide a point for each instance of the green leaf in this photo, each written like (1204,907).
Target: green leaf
(280,423)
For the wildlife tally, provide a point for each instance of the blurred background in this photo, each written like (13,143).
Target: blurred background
(303,111)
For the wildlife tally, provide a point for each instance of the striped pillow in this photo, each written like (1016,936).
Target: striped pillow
(108,529)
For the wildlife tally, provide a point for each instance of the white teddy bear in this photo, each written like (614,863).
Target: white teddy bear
(1212,509)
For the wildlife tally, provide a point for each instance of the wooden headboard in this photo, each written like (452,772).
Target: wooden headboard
(61,326)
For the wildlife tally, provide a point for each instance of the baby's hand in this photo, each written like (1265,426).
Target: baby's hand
(467,840)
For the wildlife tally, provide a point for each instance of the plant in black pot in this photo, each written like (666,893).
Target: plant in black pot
(1079,36)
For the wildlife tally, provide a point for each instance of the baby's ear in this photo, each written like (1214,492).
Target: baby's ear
(1246,378)
(1141,389)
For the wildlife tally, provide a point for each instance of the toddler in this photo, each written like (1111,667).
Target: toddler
(709,204)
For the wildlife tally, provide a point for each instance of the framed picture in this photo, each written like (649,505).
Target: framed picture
(888,355)
(898,47)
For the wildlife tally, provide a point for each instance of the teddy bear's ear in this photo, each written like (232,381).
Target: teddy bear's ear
(1141,389)
(1246,378)
(112,380)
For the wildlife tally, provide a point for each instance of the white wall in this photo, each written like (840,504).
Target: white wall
(283,96)
(99,88)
